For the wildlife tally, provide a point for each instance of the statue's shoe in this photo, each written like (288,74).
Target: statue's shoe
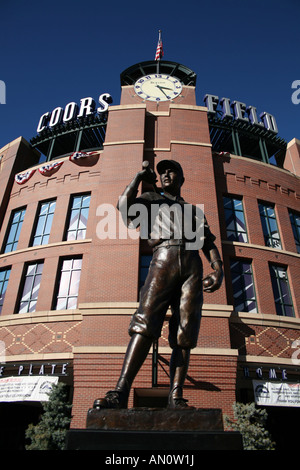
(113,399)
(175,403)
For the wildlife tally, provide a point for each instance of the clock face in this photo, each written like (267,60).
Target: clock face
(158,87)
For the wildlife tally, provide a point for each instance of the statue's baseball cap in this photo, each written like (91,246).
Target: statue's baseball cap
(161,166)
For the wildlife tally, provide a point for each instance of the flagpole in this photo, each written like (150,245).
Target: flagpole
(158,59)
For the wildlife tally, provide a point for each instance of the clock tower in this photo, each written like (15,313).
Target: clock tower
(157,119)
(158,82)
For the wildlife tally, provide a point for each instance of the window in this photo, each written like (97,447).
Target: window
(235,220)
(44,222)
(14,230)
(243,286)
(295,221)
(269,226)
(78,217)
(281,291)
(69,284)
(31,287)
(4,276)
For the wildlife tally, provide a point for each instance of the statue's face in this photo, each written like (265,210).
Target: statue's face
(171,181)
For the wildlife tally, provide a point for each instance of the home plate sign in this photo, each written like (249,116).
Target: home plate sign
(276,393)
(32,388)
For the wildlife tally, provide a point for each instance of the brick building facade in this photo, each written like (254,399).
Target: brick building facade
(67,293)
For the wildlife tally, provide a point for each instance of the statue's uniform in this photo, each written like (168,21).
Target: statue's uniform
(174,280)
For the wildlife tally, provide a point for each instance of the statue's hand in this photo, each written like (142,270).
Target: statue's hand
(213,281)
(147,175)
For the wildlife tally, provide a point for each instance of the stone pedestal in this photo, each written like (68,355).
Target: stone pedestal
(154,429)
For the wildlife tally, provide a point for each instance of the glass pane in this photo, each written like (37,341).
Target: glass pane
(17,216)
(241,220)
(289,311)
(243,286)
(273,226)
(31,270)
(64,284)
(18,232)
(72,302)
(48,223)
(83,218)
(246,267)
(74,219)
(238,204)
(71,236)
(80,235)
(86,201)
(228,216)
(269,211)
(40,225)
(44,209)
(61,303)
(27,288)
(31,307)
(77,263)
(23,307)
(231,225)
(39,268)
(74,284)
(12,233)
(36,286)
(45,240)
(227,202)
(242,237)
(52,207)
(250,306)
(37,241)
(67,265)
(76,202)
(231,236)
(279,310)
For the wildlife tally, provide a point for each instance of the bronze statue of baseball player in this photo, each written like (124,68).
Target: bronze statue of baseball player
(175,280)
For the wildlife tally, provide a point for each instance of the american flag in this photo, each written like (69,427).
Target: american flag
(159,50)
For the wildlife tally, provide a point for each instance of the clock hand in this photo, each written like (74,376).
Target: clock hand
(160,88)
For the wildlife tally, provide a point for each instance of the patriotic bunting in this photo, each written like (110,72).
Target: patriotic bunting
(22,178)
(77,155)
(50,168)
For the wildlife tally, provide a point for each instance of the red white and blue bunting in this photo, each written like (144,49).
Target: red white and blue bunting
(50,168)
(78,155)
(22,178)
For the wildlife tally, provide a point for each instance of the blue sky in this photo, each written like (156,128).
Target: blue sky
(61,51)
